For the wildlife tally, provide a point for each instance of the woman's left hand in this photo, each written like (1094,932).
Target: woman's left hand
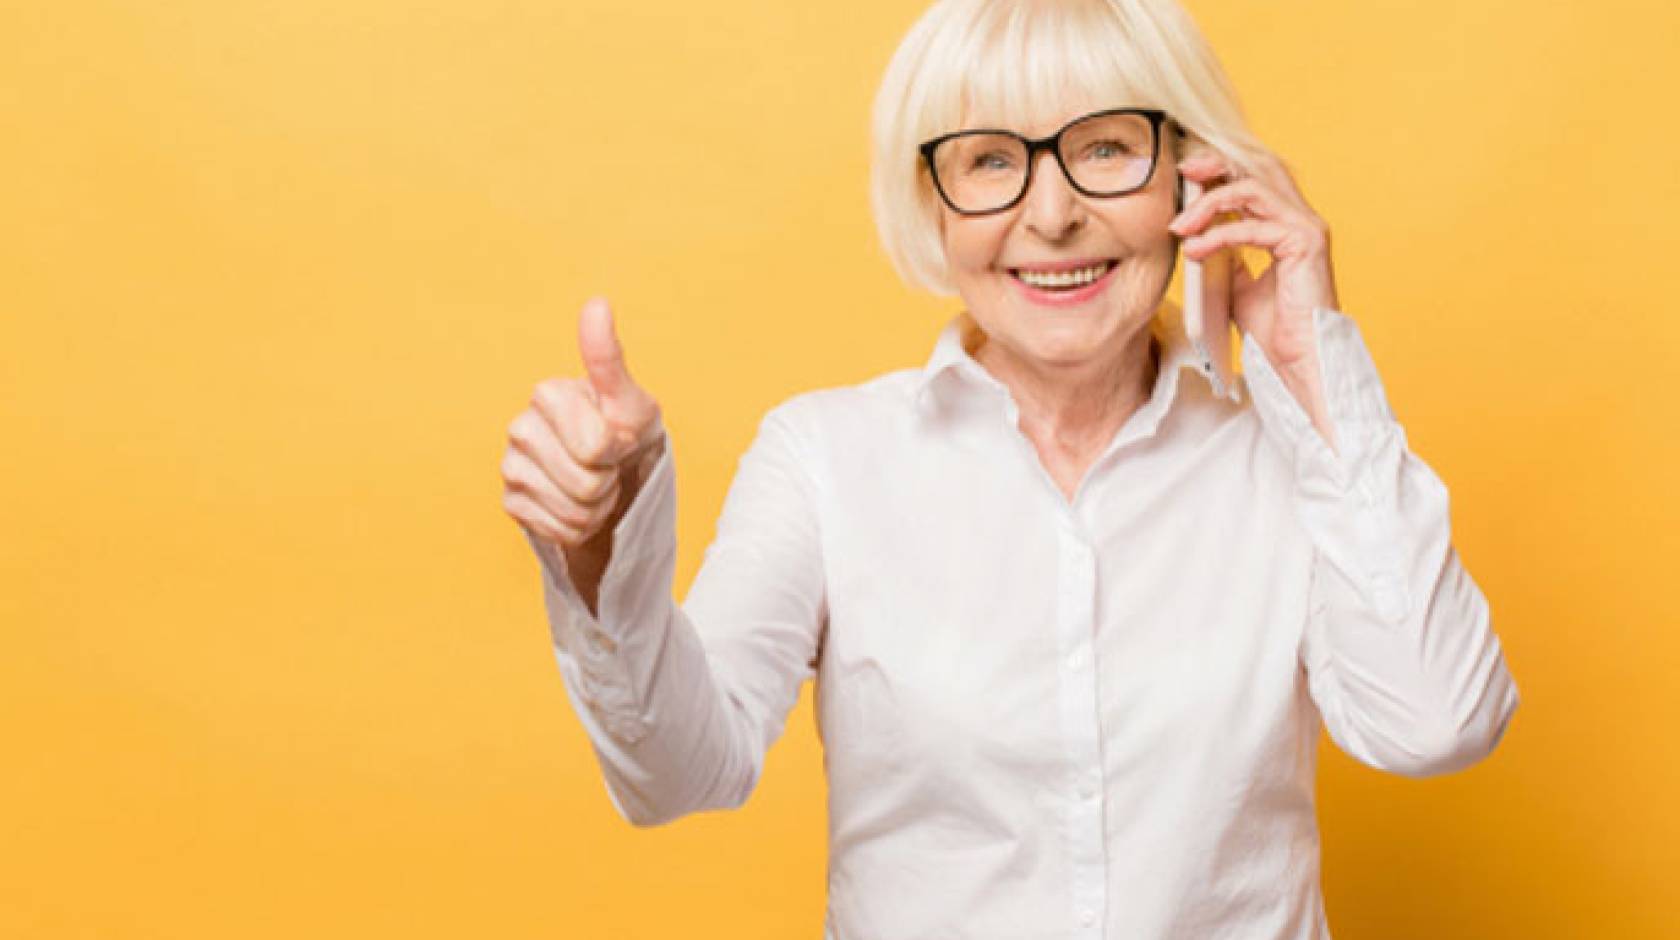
(1275,308)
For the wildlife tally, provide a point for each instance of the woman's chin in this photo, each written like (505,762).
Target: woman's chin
(1061,345)
(1070,339)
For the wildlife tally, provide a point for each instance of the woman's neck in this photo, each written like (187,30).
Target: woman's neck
(1071,413)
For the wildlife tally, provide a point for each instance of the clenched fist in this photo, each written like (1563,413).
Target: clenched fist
(579,453)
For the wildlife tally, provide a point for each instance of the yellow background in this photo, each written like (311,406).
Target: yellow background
(275,276)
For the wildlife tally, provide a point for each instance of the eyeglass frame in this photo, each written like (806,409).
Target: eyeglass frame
(1156,116)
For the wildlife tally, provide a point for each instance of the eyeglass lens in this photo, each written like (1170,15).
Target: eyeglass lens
(1105,155)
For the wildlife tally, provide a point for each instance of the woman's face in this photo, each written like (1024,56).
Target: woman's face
(1054,228)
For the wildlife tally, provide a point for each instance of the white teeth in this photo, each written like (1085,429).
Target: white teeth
(1077,278)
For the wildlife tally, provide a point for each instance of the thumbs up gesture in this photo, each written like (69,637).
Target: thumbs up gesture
(578,454)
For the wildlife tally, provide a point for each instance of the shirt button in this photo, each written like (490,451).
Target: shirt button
(1087,917)
(1074,660)
(1086,792)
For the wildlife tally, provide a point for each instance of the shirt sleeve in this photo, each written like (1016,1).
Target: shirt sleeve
(1401,659)
(681,703)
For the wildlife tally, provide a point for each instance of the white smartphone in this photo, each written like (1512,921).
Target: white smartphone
(1207,308)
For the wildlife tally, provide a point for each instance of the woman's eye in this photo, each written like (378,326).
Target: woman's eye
(992,161)
(1106,150)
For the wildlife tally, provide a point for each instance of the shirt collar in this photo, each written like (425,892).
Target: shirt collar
(952,364)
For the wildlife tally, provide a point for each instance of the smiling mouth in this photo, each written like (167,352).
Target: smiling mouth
(1063,280)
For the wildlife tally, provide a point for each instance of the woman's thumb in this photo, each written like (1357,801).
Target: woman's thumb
(628,409)
(603,358)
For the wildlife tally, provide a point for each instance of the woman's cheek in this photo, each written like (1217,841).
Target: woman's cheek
(971,246)
(1147,280)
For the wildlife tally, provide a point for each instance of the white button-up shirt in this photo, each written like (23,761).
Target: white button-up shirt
(1046,718)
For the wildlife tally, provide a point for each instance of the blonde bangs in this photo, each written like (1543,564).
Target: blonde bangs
(1034,66)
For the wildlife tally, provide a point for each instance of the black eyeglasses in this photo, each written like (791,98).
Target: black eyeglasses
(1106,153)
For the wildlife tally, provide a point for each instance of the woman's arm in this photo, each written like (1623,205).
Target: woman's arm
(1398,651)
(681,703)
(1400,655)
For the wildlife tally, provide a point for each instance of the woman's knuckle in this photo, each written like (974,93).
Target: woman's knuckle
(511,469)
(589,447)
(550,395)
(524,483)
(569,536)
(600,485)
(521,434)
(573,488)
(535,438)
(561,506)
(524,513)
(593,441)
(561,517)
(582,490)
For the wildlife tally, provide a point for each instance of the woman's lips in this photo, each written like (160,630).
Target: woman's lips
(1065,297)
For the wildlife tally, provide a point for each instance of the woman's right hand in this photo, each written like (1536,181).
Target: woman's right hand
(578,454)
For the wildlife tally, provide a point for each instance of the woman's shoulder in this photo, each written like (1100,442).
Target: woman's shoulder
(836,424)
(870,401)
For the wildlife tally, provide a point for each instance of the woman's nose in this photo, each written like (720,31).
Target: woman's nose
(1051,207)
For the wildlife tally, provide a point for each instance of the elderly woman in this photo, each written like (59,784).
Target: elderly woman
(1074,611)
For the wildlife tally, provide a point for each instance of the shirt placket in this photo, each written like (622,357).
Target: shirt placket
(1076,592)
(1075,630)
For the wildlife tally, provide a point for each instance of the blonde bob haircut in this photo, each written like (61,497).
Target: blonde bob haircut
(1035,63)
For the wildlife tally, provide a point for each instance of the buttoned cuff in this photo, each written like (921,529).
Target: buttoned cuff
(599,656)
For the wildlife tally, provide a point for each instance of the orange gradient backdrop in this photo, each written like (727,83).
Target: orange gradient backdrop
(274,277)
